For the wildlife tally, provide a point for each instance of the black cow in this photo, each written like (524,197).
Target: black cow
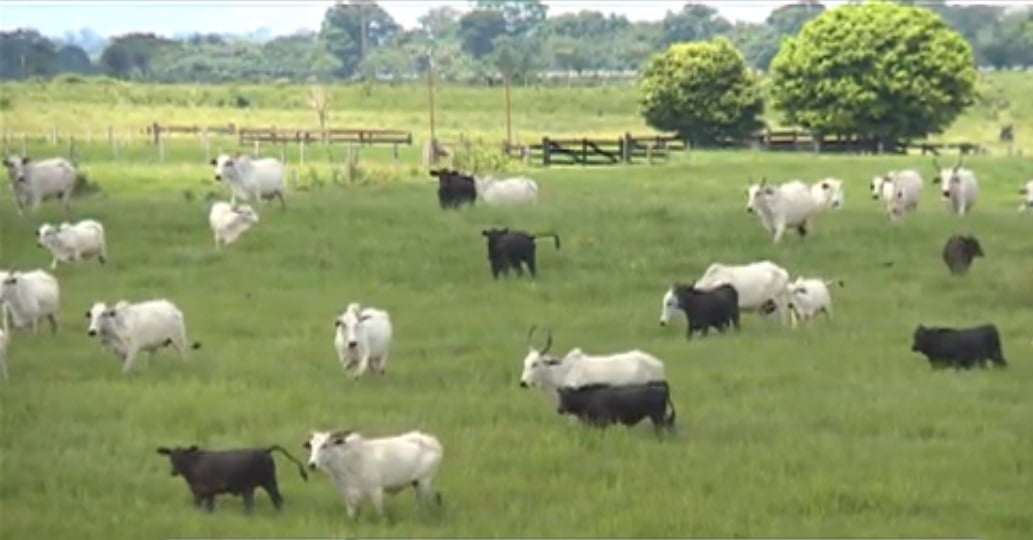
(717,307)
(454,188)
(959,251)
(508,249)
(238,472)
(959,348)
(602,404)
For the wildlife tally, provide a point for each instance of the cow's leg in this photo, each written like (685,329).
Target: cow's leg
(66,199)
(532,266)
(131,352)
(780,229)
(380,364)
(209,503)
(273,491)
(198,499)
(249,500)
(735,321)
(376,497)
(283,203)
(801,229)
(514,263)
(52,319)
(363,365)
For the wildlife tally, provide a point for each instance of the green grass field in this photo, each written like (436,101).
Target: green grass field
(833,430)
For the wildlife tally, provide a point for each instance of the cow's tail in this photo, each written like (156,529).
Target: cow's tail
(554,236)
(301,468)
(670,417)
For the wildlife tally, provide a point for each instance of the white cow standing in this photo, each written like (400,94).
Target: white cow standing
(69,243)
(1027,193)
(810,296)
(33,182)
(252,179)
(366,468)
(362,335)
(228,222)
(509,191)
(125,329)
(759,284)
(29,297)
(900,191)
(959,187)
(792,204)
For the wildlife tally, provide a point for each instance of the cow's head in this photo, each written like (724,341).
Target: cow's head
(98,313)
(349,322)
(755,193)
(323,445)
(1027,192)
(15,166)
(536,361)
(918,338)
(181,459)
(223,164)
(494,235)
(830,192)
(947,177)
(971,247)
(669,305)
(246,212)
(45,234)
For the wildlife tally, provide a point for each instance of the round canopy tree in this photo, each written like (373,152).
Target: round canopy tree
(881,70)
(701,90)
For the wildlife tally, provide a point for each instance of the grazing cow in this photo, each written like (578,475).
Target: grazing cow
(5,340)
(126,329)
(237,472)
(959,252)
(363,336)
(959,348)
(717,307)
(792,204)
(899,190)
(29,297)
(33,182)
(509,249)
(509,191)
(365,468)
(228,222)
(252,179)
(576,369)
(454,188)
(1027,193)
(602,404)
(69,243)
(757,284)
(959,187)
(810,296)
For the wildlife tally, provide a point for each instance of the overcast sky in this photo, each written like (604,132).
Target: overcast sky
(53,18)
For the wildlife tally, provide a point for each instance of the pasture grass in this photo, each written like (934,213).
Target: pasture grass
(87,108)
(834,429)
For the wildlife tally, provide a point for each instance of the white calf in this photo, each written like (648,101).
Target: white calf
(32,182)
(759,284)
(1027,193)
(365,468)
(363,336)
(810,296)
(228,222)
(29,297)
(510,191)
(126,329)
(792,204)
(70,243)
(252,179)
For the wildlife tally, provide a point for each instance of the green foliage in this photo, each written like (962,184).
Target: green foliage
(878,69)
(703,91)
(479,158)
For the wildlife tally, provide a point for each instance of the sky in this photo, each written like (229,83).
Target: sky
(53,18)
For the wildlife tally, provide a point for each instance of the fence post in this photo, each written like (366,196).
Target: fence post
(394,153)
(627,147)
(53,136)
(301,150)
(546,155)
(161,150)
(584,151)
(256,147)
(156,132)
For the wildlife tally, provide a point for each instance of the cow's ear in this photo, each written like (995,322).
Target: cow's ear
(484,232)
(193,448)
(213,162)
(338,441)
(26,160)
(164,451)
(306,445)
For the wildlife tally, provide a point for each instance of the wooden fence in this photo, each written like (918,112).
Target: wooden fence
(626,148)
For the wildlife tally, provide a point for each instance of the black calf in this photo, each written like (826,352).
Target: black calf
(509,249)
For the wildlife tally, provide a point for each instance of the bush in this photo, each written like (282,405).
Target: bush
(878,69)
(703,91)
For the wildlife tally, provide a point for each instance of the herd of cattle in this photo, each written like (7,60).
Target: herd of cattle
(623,387)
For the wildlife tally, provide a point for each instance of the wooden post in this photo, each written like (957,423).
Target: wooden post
(301,151)
(627,147)
(430,93)
(256,147)
(394,153)
(156,133)
(546,153)
(509,120)
(53,136)
(584,151)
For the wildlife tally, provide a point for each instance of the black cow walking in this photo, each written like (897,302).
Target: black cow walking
(602,404)
(238,472)
(717,307)
(454,188)
(959,251)
(509,249)
(962,348)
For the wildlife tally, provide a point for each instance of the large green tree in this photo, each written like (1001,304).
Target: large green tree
(879,69)
(703,91)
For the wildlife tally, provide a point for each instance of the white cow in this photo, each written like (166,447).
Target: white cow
(1027,192)
(509,191)
(228,222)
(69,243)
(792,204)
(575,369)
(252,179)
(810,296)
(5,339)
(29,297)
(32,182)
(363,336)
(901,191)
(126,329)
(365,468)
(959,188)
(759,284)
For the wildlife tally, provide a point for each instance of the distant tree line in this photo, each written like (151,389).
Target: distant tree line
(359,40)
